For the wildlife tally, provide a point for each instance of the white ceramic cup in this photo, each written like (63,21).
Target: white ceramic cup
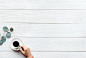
(20,44)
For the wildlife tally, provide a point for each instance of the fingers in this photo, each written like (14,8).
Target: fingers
(24,47)
(21,50)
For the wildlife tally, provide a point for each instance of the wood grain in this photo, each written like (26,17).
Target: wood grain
(49,44)
(48,30)
(45,55)
(43,4)
(11,54)
(43,16)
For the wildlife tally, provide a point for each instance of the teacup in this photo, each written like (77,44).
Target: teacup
(16,43)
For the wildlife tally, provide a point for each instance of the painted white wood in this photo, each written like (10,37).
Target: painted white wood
(45,55)
(48,30)
(59,55)
(43,4)
(43,16)
(49,44)
(0,27)
(43,35)
(11,54)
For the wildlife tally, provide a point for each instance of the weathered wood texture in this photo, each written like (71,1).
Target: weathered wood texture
(50,28)
(43,16)
(43,4)
(45,55)
(50,44)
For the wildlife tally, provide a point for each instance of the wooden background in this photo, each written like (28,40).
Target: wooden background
(50,28)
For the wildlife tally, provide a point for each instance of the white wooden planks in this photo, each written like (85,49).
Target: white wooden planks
(43,16)
(43,34)
(59,54)
(48,30)
(55,44)
(11,54)
(45,55)
(49,37)
(43,4)
(49,44)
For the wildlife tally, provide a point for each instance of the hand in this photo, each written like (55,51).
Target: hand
(25,51)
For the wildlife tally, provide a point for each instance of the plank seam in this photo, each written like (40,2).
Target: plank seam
(41,23)
(44,51)
(48,37)
(42,9)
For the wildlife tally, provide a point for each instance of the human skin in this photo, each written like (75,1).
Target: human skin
(26,51)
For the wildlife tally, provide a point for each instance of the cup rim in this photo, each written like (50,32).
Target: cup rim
(16,48)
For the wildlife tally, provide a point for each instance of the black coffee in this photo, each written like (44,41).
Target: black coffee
(15,43)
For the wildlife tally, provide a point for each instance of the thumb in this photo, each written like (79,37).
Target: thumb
(21,50)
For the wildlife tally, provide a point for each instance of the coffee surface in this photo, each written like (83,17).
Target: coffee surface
(15,43)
